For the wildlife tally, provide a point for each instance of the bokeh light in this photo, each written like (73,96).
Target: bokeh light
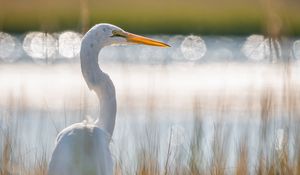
(8,47)
(69,44)
(193,47)
(40,46)
(257,48)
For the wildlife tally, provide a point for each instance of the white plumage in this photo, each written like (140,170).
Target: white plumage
(83,148)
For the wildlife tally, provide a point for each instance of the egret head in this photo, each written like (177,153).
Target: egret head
(108,34)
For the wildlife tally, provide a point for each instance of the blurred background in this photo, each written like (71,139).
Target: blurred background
(223,99)
(213,17)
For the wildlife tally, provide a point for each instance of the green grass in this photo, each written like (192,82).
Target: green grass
(152,17)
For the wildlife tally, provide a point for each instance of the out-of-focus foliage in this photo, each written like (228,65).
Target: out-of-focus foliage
(155,16)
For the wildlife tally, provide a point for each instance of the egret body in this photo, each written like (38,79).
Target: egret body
(83,148)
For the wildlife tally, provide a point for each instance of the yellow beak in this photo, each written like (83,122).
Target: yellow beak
(144,40)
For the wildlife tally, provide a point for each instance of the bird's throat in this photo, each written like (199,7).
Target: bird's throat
(101,84)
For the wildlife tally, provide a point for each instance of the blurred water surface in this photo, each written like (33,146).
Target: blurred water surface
(158,90)
(51,48)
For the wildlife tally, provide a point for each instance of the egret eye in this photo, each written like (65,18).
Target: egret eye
(117,33)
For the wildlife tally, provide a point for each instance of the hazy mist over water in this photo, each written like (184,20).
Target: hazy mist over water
(223,99)
(42,89)
(46,67)
(175,85)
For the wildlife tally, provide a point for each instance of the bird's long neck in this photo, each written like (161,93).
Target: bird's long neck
(101,83)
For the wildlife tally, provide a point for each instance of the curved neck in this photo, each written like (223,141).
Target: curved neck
(101,83)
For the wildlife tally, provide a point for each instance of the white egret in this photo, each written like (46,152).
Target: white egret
(83,148)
